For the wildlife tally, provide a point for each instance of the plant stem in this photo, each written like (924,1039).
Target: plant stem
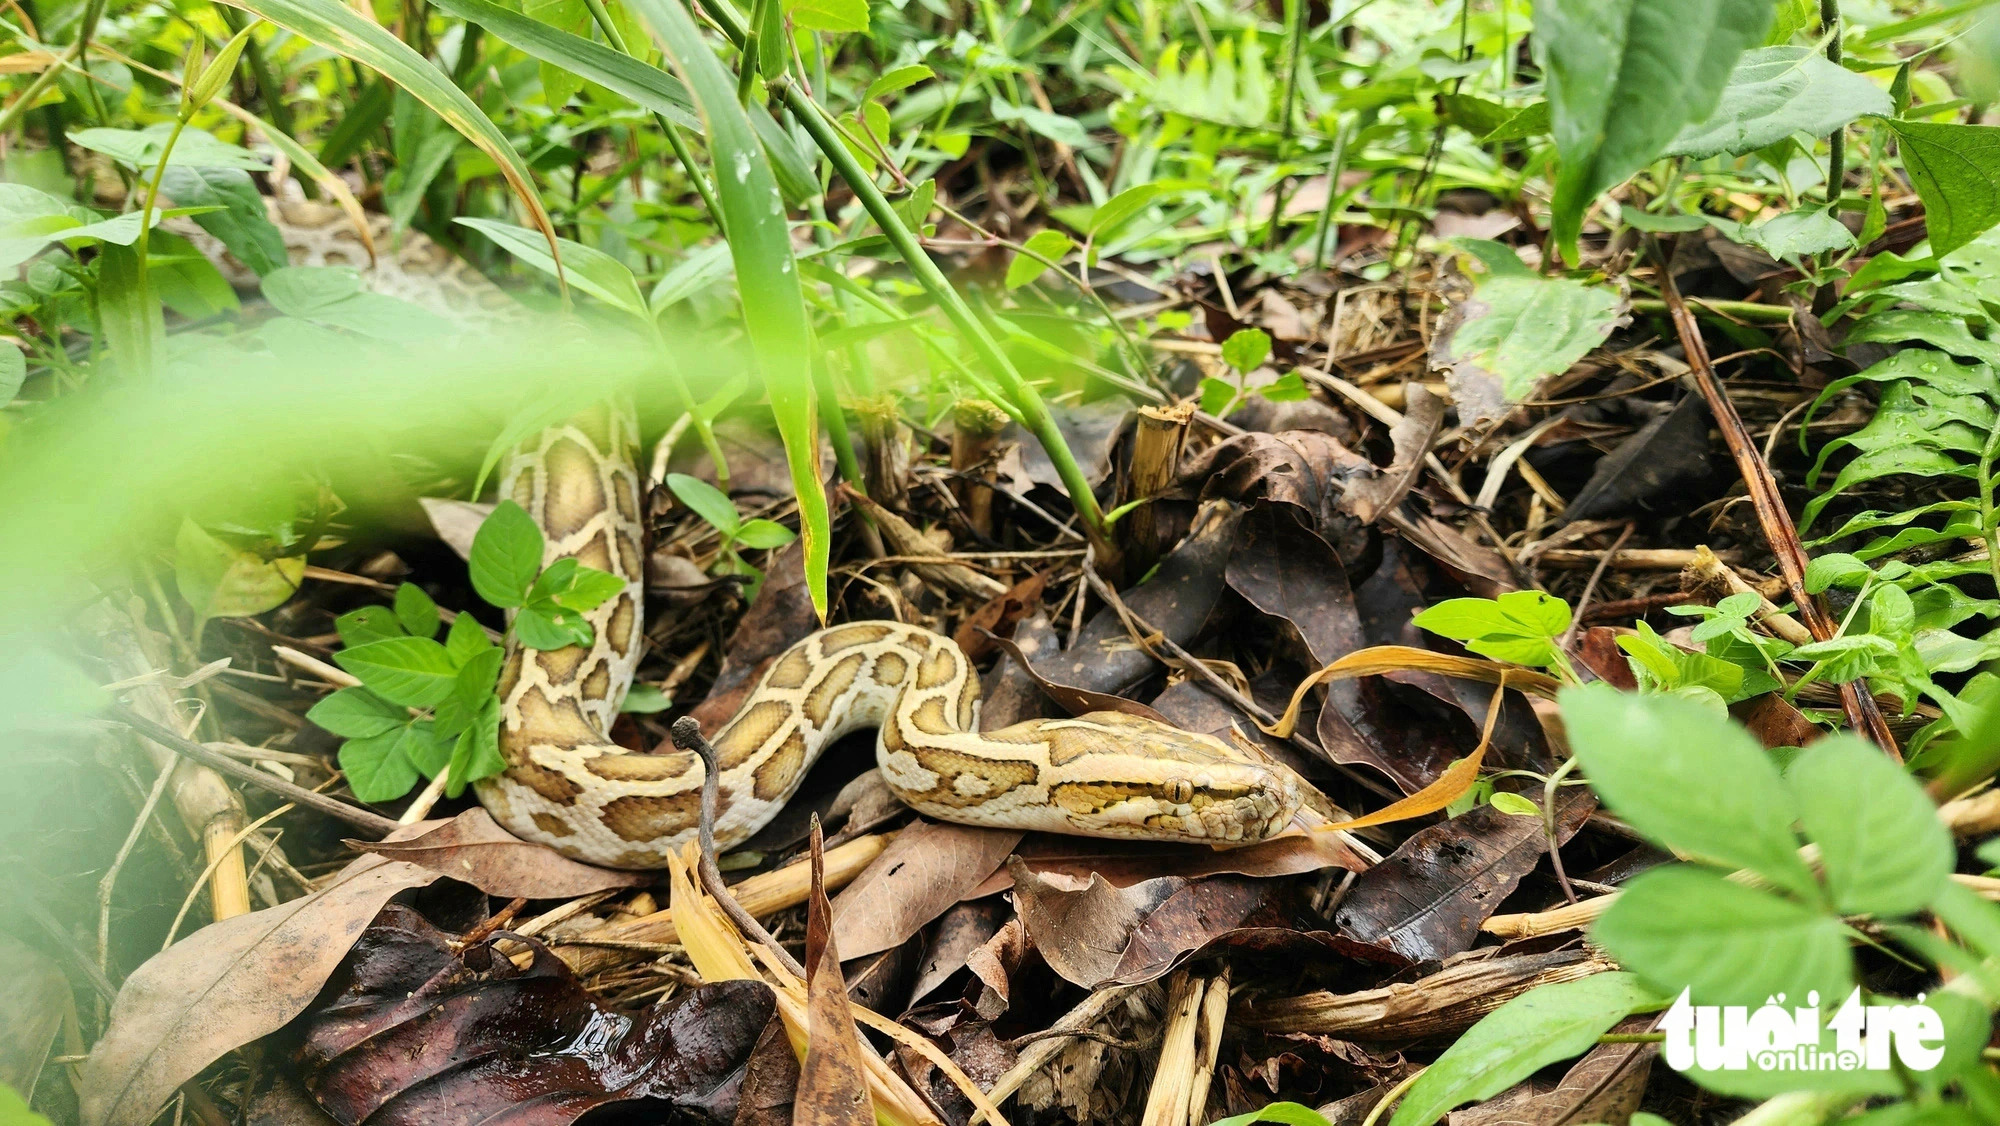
(1034,412)
(1295,34)
(676,140)
(1324,226)
(1836,157)
(153,195)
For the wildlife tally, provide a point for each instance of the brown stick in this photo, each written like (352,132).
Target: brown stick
(1157,438)
(688,737)
(1772,516)
(222,764)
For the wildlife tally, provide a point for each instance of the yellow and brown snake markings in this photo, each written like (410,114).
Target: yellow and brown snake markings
(568,786)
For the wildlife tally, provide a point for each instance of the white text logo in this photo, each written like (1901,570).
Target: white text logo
(1774,1038)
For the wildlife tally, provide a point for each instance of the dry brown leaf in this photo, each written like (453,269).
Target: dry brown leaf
(473,848)
(1124,863)
(928,868)
(36,1003)
(833,1088)
(1423,416)
(1082,931)
(226,985)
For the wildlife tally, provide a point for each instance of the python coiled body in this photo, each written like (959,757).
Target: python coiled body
(568,786)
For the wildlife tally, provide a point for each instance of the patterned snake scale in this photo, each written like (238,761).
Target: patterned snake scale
(567,785)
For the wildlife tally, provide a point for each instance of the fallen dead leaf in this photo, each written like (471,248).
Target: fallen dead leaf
(833,1088)
(226,985)
(965,928)
(1427,899)
(32,1010)
(1423,416)
(1125,863)
(416,1033)
(474,849)
(924,871)
(1000,616)
(1082,931)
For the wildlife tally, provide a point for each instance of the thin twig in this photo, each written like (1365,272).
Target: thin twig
(688,737)
(362,819)
(1590,587)
(1776,521)
(110,879)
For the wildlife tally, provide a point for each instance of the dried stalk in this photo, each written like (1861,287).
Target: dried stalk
(1173,1078)
(1157,439)
(976,429)
(1779,531)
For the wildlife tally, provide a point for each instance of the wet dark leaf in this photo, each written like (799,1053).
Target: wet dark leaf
(1423,416)
(1654,470)
(1427,899)
(415,1033)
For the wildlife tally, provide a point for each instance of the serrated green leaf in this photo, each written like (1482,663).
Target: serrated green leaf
(1247,349)
(1881,845)
(366,624)
(1546,1024)
(413,671)
(381,768)
(1689,779)
(506,555)
(357,713)
(1776,92)
(416,611)
(1687,927)
(1951,166)
(1623,77)
(476,753)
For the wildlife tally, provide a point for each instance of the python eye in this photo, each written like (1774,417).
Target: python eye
(1180,791)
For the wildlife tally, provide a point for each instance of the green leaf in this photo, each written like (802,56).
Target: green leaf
(897,80)
(1623,77)
(15,1111)
(128,314)
(1518,627)
(1246,349)
(645,699)
(1492,121)
(413,671)
(332,296)
(1056,127)
(381,767)
(1797,234)
(1047,242)
(465,639)
(356,713)
(470,691)
(220,581)
(588,269)
(588,589)
(762,535)
(1287,388)
(13,371)
(707,501)
(544,627)
(369,623)
(569,17)
(1683,926)
(1881,846)
(760,241)
(343,30)
(1546,1024)
(645,86)
(415,610)
(141,148)
(1290,1114)
(1775,92)
(1124,207)
(1687,778)
(1951,166)
(506,555)
(1514,330)
(829,15)
(242,224)
(1216,396)
(695,273)
(476,754)
(1514,805)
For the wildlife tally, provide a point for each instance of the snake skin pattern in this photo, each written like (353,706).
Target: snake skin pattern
(568,786)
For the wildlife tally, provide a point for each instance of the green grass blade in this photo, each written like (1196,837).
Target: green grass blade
(341,29)
(647,87)
(767,279)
